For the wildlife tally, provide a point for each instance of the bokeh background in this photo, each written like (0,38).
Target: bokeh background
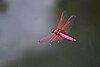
(24,22)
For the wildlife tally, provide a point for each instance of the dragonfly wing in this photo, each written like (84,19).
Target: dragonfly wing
(61,20)
(68,23)
(55,40)
(48,37)
(67,37)
(51,39)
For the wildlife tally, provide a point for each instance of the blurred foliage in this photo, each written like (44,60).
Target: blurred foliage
(3,6)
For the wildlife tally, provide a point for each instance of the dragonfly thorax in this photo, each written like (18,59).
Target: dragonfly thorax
(58,31)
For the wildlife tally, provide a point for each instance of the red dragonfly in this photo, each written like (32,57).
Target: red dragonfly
(61,31)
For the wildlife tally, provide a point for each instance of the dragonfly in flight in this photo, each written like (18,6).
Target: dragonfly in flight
(61,31)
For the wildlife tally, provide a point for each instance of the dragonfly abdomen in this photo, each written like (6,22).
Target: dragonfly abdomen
(58,32)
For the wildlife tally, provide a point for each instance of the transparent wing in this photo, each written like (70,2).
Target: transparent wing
(55,40)
(68,24)
(61,20)
(51,39)
(47,38)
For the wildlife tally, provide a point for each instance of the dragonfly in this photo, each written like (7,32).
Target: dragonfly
(61,32)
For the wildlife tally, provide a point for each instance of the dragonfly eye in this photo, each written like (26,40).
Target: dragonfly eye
(52,30)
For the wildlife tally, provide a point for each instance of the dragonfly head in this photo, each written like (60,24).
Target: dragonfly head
(52,30)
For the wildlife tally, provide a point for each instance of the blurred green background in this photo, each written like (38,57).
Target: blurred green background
(23,22)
